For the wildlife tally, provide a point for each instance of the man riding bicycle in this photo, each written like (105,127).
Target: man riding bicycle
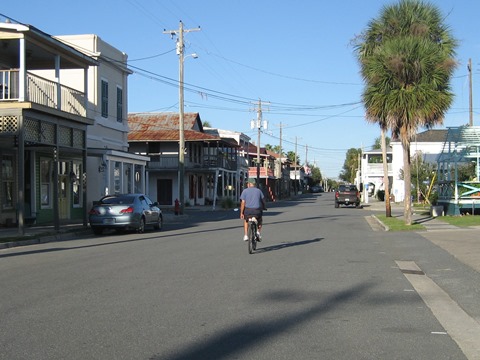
(252,204)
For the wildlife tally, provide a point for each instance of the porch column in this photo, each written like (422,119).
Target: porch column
(21,178)
(57,79)
(23,72)
(83,184)
(85,91)
(56,215)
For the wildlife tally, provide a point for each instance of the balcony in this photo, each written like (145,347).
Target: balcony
(264,172)
(41,91)
(170,162)
(377,169)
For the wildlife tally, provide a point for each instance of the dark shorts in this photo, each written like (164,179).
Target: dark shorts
(249,212)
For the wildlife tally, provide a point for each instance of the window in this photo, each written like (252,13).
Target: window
(104,95)
(119,104)
(76,179)
(117,185)
(7,182)
(46,184)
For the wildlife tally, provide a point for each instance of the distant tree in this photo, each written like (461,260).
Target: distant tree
(206,123)
(316,175)
(378,142)
(275,148)
(350,165)
(291,156)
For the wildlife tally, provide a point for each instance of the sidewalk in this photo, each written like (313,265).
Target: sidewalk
(37,234)
(462,243)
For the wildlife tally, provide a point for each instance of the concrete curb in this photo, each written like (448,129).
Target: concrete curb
(385,227)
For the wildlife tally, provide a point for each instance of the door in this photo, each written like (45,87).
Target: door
(164,191)
(63,182)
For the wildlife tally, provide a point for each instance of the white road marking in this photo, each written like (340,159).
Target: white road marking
(462,328)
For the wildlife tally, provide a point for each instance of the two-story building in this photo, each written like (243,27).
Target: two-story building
(372,172)
(210,161)
(428,143)
(111,168)
(43,128)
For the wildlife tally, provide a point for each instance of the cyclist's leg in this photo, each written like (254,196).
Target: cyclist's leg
(259,229)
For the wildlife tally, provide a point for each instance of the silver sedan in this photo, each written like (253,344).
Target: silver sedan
(125,212)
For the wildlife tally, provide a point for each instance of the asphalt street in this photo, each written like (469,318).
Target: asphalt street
(323,284)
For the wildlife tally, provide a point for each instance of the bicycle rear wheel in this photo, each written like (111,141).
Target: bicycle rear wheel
(252,237)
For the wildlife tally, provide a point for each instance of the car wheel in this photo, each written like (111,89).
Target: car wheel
(97,230)
(159,224)
(337,205)
(141,226)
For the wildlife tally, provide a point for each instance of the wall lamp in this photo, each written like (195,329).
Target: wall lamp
(102,167)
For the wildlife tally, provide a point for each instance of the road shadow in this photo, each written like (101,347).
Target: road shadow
(286,245)
(231,343)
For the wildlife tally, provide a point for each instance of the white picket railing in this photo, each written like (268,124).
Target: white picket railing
(42,91)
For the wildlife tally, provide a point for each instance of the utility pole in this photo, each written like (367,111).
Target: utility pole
(280,160)
(181,124)
(258,124)
(470,90)
(295,165)
(306,154)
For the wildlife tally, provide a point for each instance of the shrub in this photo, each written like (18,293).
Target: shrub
(227,203)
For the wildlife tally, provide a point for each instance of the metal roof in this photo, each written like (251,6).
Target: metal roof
(164,127)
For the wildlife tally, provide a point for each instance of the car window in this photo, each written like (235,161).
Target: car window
(118,200)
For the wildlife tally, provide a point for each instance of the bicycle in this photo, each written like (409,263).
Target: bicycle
(252,234)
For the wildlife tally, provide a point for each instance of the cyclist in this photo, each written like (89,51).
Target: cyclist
(252,204)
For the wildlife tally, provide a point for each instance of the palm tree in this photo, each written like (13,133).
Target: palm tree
(407,60)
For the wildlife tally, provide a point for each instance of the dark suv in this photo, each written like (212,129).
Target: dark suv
(347,195)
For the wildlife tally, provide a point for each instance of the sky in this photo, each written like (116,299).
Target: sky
(294,59)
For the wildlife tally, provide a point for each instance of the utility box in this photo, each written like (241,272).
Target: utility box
(436,210)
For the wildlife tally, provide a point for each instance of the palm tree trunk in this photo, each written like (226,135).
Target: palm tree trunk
(386,184)
(407,212)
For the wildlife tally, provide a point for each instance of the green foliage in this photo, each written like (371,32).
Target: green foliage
(461,221)
(275,148)
(291,156)
(421,174)
(228,203)
(407,57)
(378,143)
(397,224)
(466,172)
(316,175)
(351,165)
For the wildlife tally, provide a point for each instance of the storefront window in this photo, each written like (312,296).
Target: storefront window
(138,179)
(7,182)
(46,183)
(116,178)
(75,178)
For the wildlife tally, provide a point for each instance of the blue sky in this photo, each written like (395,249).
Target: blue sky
(294,56)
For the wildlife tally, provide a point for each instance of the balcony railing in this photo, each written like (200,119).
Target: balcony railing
(42,91)
(207,161)
(377,169)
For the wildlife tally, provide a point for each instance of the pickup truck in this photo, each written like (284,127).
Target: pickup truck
(347,195)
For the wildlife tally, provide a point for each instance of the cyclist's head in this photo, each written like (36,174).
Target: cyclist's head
(251,181)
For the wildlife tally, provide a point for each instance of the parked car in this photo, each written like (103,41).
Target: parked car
(125,212)
(316,189)
(347,195)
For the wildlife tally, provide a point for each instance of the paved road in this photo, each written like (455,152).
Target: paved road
(322,285)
